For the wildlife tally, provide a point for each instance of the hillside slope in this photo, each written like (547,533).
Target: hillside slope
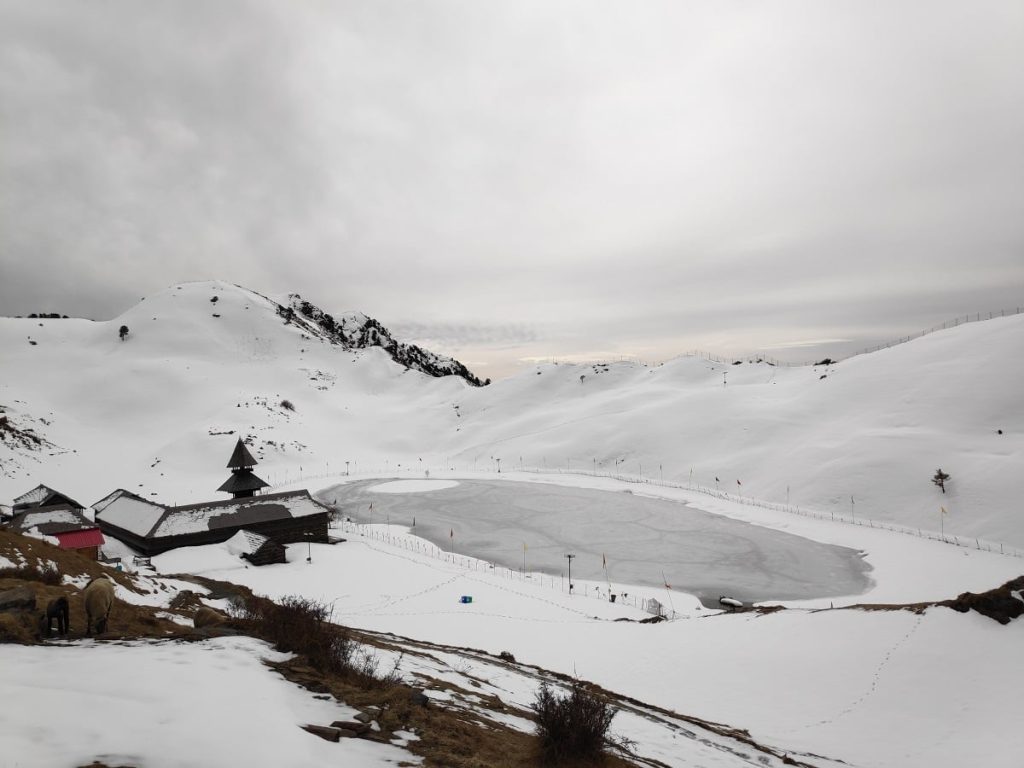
(874,427)
(159,412)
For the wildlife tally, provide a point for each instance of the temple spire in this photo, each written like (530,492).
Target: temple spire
(240,457)
(242,482)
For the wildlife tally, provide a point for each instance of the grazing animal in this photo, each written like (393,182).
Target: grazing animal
(99,599)
(207,617)
(55,609)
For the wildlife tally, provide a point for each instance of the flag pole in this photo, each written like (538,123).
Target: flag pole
(668,591)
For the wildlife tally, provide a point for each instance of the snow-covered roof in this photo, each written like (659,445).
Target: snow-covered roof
(51,520)
(129,512)
(103,503)
(245,542)
(34,496)
(211,515)
(147,519)
(43,495)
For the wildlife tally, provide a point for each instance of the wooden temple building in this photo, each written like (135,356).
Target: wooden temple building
(152,528)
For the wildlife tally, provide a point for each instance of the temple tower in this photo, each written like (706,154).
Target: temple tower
(242,482)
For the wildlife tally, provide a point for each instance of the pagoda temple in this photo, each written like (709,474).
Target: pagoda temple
(242,483)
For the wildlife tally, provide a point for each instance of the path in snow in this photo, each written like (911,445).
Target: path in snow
(642,538)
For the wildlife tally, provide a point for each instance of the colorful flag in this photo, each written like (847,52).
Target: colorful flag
(944,510)
(738,483)
(604,561)
(451,533)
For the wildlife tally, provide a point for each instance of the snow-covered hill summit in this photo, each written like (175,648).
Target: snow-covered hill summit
(204,363)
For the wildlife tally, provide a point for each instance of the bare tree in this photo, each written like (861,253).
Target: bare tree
(940,479)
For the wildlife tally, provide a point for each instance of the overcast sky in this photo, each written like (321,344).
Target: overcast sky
(579,180)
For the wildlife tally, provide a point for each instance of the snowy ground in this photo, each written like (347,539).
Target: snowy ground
(869,688)
(159,413)
(863,437)
(167,705)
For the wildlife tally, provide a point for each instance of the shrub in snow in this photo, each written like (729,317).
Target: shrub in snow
(299,625)
(287,405)
(48,574)
(572,727)
(303,626)
(123,332)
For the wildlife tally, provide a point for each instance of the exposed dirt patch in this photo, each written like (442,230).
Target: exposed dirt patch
(126,620)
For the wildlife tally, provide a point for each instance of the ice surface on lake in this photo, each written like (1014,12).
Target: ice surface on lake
(643,540)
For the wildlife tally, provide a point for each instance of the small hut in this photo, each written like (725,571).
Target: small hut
(44,496)
(256,548)
(71,528)
(242,483)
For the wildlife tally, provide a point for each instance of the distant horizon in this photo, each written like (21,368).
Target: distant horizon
(831,349)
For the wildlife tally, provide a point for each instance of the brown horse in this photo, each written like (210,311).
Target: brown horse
(55,609)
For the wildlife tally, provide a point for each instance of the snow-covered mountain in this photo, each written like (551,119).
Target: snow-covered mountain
(205,362)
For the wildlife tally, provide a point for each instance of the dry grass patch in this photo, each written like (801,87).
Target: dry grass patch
(448,737)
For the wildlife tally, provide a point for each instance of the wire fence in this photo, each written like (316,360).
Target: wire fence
(419,469)
(412,543)
(969,542)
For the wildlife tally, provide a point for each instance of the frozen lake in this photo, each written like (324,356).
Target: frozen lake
(642,538)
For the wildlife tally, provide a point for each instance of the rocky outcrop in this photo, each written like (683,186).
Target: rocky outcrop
(357,331)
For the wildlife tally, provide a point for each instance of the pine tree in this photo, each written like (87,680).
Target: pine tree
(940,479)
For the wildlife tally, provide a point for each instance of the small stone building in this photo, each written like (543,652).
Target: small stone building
(256,548)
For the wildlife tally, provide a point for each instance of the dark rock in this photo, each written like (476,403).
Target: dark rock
(999,604)
(417,696)
(324,732)
(17,598)
(362,717)
(351,725)
(506,656)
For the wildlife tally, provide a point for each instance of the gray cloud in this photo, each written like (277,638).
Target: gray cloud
(637,180)
(456,334)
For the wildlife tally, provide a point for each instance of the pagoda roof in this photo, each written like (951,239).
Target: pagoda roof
(242,480)
(240,457)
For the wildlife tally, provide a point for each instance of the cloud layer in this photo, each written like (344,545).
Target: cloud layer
(617,179)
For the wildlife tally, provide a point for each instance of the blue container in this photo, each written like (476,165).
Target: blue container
(466,599)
